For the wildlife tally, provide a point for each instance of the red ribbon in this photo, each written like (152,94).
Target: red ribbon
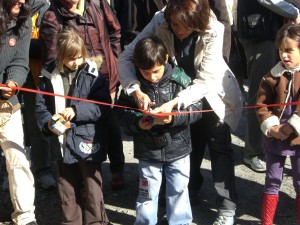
(143,111)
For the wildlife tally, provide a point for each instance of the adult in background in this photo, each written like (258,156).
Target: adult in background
(222,11)
(100,29)
(15,34)
(194,40)
(134,15)
(41,160)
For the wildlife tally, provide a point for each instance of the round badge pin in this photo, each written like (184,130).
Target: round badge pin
(12,42)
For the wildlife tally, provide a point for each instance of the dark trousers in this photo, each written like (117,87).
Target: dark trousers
(210,131)
(261,57)
(114,144)
(40,145)
(80,191)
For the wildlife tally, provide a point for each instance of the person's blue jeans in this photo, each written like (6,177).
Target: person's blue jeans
(177,198)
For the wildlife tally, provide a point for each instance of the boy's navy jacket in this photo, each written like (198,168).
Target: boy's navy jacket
(87,140)
(162,143)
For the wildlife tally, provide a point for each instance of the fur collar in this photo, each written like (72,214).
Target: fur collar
(279,69)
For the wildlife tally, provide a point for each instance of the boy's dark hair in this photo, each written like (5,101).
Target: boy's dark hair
(288,30)
(149,52)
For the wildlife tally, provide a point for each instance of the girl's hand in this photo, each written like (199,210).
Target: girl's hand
(8,92)
(142,99)
(276,132)
(68,113)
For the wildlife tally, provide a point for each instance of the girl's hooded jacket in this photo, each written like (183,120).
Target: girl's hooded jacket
(162,143)
(86,141)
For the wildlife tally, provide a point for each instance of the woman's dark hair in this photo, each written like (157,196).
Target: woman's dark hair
(288,30)
(193,14)
(149,52)
(6,16)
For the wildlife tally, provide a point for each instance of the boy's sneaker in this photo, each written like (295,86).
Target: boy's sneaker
(46,181)
(256,164)
(224,220)
(117,181)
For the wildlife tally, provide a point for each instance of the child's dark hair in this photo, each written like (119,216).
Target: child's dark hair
(150,52)
(288,30)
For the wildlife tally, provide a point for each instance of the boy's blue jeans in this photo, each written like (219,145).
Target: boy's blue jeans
(177,197)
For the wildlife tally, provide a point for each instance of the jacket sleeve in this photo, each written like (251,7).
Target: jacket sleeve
(18,69)
(48,35)
(224,15)
(266,117)
(192,115)
(126,69)
(113,27)
(36,5)
(42,109)
(87,111)
(281,7)
(127,117)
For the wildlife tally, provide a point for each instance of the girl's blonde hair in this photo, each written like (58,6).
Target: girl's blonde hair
(68,45)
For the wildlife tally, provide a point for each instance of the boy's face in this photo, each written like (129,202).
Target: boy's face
(73,62)
(154,74)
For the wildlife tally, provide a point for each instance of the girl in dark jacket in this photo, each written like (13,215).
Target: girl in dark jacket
(81,147)
(160,143)
(97,25)
(15,33)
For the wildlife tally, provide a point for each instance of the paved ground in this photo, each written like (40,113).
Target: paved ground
(121,205)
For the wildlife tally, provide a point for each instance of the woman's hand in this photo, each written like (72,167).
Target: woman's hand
(162,120)
(276,132)
(166,107)
(8,92)
(142,99)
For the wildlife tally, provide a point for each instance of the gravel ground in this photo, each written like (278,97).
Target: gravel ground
(120,205)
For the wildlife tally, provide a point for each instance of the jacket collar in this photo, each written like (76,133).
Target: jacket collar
(92,68)
(279,69)
(51,68)
(11,24)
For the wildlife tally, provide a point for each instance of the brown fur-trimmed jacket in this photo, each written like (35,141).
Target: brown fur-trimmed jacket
(275,88)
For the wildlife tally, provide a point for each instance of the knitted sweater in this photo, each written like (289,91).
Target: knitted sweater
(14,56)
